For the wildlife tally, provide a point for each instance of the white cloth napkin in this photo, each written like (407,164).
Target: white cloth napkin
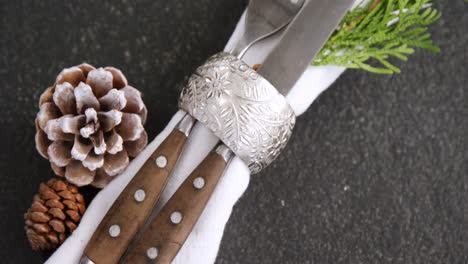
(203,243)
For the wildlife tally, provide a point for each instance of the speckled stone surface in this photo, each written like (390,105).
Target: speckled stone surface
(376,171)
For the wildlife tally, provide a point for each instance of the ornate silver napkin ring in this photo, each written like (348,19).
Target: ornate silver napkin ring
(240,107)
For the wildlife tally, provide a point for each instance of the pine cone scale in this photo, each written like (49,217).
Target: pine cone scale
(40,217)
(59,153)
(85,98)
(54,131)
(38,207)
(78,174)
(64,98)
(71,204)
(98,142)
(42,143)
(115,163)
(57,225)
(93,161)
(81,147)
(101,80)
(134,102)
(54,204)
(73,76)
(114,142)
(72,124)
(47,193)
(52,236)
(135,147)
(130,128)
(48,111)
(71,226)
(74,215)
(59,171)
(119,80)
(66,194)
(114,99)
(57,213)
(46,96)
(41,228)
(110,119)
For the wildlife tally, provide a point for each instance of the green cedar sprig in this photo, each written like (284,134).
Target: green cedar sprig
(378,30)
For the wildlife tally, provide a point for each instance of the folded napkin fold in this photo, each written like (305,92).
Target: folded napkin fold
(203,243)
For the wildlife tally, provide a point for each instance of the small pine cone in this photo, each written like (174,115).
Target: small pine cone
(53,215)
(90,124)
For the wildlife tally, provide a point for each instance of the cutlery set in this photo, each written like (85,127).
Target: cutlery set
(245,108)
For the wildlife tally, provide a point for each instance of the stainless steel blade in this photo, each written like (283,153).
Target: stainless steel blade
(301,42)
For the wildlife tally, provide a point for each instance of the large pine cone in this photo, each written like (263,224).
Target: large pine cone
(90,124)
(53,215)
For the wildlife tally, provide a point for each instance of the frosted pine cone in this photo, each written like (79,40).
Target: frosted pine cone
(53,215)
(90,124)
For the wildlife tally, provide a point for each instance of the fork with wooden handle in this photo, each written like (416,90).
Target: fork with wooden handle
(128,213)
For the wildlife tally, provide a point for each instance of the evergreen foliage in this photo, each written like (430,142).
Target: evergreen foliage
(377,31)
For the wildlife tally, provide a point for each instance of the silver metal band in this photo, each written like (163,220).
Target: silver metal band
(225,153)
(185,125)
(241,107)
(85,260)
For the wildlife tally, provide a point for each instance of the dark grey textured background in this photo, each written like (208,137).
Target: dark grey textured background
(376,171)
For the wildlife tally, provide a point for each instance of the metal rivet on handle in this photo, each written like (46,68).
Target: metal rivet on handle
(176,217)
(161,161)
(199,183)
(139,195)
(152,253)
(114,231)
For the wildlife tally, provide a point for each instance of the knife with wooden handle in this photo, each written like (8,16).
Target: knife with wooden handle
(175,221)
(248,111)
(126,216)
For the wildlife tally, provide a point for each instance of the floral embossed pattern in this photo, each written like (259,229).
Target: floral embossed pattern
(242,108)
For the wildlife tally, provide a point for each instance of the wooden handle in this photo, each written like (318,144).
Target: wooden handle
(118,228)
(166,235)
